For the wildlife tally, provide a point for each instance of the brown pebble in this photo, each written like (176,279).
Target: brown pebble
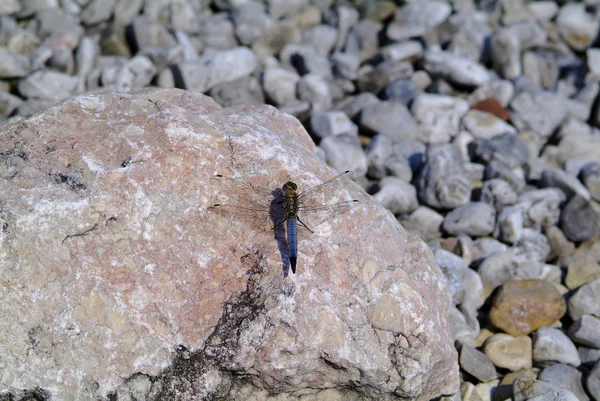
(493,106)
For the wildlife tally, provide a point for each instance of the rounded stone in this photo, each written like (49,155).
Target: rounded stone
(523,306)
(506,351)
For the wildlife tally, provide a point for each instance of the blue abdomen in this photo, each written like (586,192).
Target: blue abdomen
(292,241)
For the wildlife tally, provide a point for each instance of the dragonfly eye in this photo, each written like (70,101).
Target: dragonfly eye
(289,185)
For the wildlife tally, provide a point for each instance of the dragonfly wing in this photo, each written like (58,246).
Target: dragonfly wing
(326,189)
(314,216)
(257,206)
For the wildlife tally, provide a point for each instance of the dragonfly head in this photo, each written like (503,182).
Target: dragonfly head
(290,188)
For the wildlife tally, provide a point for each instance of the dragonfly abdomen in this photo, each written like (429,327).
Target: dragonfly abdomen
(292,241)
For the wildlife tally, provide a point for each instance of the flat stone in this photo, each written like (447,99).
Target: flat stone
(363,39)
(552,346)
(383,74)
(455,68)
(251,21)
(48,85)
(586,301)
(424,222)
(13,65)
(522,306)
(332,123)
(576,26)
(275,37)
(585,264)
(396,195)
(505,351)
(390,118)
(579,220)
(593,381)
(565,377)
(528,388)
(8,103)
(344,152)
(417,18)
(409,50)
(541,112)
(479,392)
(474,219)
(439,116)
(476,364)
(279,84)
(485,125)
(314,89)
(97,11)
(586,331)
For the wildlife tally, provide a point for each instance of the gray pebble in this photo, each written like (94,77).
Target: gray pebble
(389,118)
(579,221)
(409,50)
(498,193)
(32,106)
(8,103)
(424,222)
(384,73)
(279,84)
(285,8)
(218,32)
(344,152)
(8,7)
(589,356)
(541,112)
(477,364)
(590,176)
(474,219)
(328,123)
(354,105)
(496,269)
(322,38)
(48,85)
(561,248)
(441,183)
(305,60)
(149,33)
(125,11)
(315,89)
(455,68)
(531,389)
(242,91)
(396,195)
(13,65)
(363,39)
(551,346)
(97,11)
(466,287)
(276,36)
(586,301)
(586,331)
(417,18)
(533,245)
(297,108)
(251,21)
(343,18)
(501,90)
(438,116)
(484,247)
(505,148)
(564,377)
(593,381)
(555,177)
(392,157)
(218,67)
(57,21)
(510,225)
(402,90)
(461,331)
(577,26)
(486,125)
(345,65)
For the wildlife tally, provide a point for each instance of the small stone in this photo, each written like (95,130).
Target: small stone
(285,8)
(279,84)
(522,306)
(479,392)
(242,91)
(500,90)
(8,7)
(322,38)
(424,222)
(506,148)
(555,177)
(251,21)
(389,118)
(218,32)
(439,116)
(344,18)
(564,377)
(13,65)
(461,331)
(485,125)
(315,89)
(492,106)
(531,389)
(552,346)
(214,68)
(383,74)
(345,65)
(561,248)
(454,68)
(363,39)
(593,381)
(8,103)
(58,21)
(332,123)
(585,264)
(477,364)
(48,85)
(532,246)
(540,112)
(126,11)
(577,27)
(586,301)
(474,219)
(297,108)
(589,356)
(496,269)
(586,331)
(354,105)
(396,196)
(506,351)
(97,11)
(409,50)
(543,10)
(402,90)
(590,176)
(417,18)
(149,33)
(498,193)
(344,152)
(579,220)
(275,37)
(305,60)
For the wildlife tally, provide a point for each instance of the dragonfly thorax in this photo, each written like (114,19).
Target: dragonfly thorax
(290,189)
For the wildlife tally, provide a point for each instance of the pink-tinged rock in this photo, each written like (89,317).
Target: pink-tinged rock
(112,265)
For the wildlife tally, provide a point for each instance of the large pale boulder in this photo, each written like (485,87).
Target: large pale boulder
(116,278)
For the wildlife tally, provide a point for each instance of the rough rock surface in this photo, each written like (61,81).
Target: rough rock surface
(116,279)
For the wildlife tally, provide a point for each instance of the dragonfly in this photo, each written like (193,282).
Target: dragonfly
(264,207)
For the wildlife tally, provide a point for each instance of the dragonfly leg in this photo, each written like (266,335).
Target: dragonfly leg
(305,226)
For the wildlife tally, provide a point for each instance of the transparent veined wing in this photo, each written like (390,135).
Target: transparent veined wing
(258,206)
(317,204)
